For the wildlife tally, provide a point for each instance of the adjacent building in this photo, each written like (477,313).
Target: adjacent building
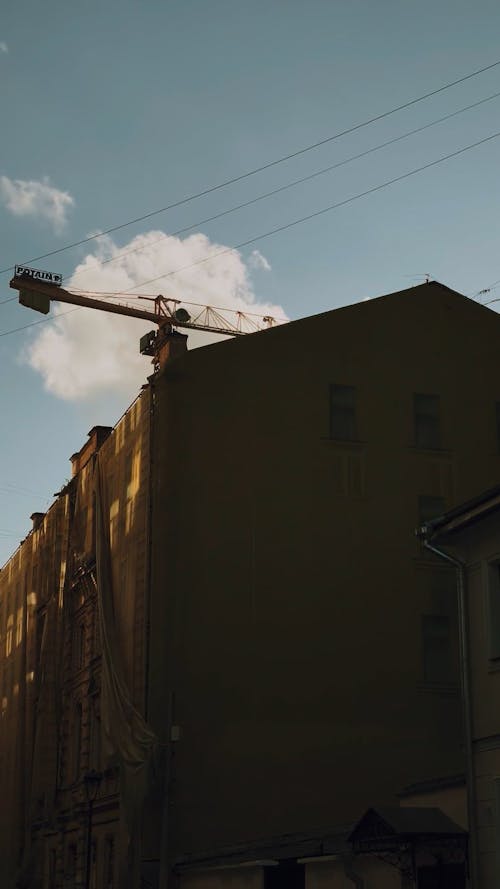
(470,536)
(234,625)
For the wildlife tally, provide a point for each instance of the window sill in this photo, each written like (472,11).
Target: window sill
(344,442)
(449,689)
(430,452)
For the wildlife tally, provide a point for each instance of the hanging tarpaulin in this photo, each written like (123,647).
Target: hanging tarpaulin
(126,731)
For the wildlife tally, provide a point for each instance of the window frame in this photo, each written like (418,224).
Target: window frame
(447,678)
(343,413)
(419,434)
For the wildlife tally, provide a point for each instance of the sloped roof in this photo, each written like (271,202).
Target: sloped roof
(433,784)
(404,822)
(367,308)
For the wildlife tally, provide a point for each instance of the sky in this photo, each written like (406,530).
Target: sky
(113,110)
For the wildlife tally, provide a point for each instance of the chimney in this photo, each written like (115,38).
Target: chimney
(37,519)
(173,346)
(97,435)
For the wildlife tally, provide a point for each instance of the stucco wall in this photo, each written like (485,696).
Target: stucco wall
(295,586)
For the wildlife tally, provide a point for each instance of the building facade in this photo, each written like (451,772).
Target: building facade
(225,614)
(52,666)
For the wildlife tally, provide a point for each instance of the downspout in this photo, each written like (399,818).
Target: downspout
(466,703)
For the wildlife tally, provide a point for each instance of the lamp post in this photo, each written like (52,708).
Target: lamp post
(92,782)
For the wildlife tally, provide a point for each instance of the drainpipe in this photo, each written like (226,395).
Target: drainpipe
(466,703)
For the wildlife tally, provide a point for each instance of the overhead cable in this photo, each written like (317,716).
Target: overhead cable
(321,212)
(262,167)
(289,225)
(282,188)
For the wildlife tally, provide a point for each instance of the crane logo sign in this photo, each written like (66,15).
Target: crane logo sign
(23,271)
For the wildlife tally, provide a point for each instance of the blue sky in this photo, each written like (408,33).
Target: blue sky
(114,109)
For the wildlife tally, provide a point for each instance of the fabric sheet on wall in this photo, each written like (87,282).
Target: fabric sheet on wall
(127,733)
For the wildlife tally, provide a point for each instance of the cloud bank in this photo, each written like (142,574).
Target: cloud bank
(86,353)
(37,199)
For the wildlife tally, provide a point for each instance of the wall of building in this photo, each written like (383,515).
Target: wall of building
(31,584)
(276,646)
(342,873)
(247,877)
(295,589)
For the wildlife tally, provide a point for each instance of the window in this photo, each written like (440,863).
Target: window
(436,649)
(343,412)
(443,591)
(494,611)
(19,626)
(426,421)
(446,874)
(9,635)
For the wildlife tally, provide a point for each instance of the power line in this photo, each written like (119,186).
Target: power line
(287,225)
(487,289)
(324,210)
(260,169)
(288,185)
(33,323)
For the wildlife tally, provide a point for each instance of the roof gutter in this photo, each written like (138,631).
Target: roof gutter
(466,700)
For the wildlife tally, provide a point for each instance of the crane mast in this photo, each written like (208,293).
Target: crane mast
(37,289)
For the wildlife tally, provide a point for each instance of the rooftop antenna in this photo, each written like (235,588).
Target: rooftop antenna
(426,275)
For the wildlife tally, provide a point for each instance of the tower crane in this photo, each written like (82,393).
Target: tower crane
(37,289)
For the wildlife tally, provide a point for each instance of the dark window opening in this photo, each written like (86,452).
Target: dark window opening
(343,424)
(442,876)
(427,423)
(437,650)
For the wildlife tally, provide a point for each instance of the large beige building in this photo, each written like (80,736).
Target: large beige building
(242,633)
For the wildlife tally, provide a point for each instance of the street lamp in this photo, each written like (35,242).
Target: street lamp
(91,782)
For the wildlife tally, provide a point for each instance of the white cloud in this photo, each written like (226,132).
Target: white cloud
(35,198)
(86,353)
(258,262)
(3,46)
